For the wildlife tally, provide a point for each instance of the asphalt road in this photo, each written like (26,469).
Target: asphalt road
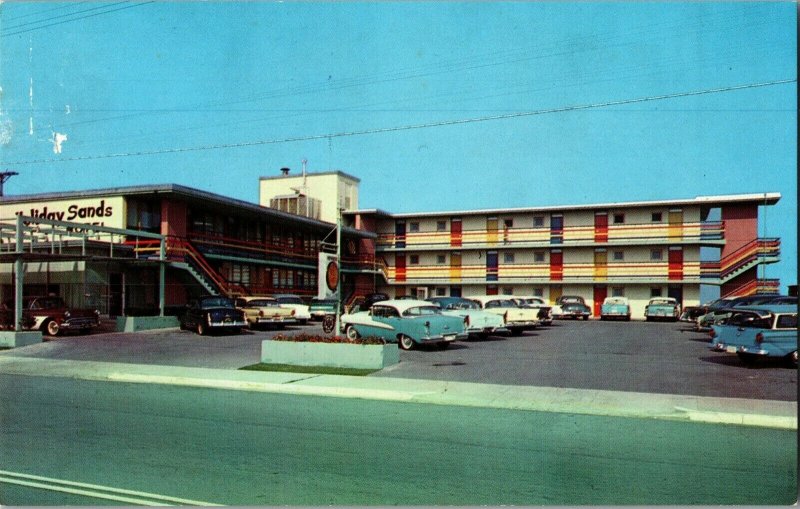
(247,448)
(665,358)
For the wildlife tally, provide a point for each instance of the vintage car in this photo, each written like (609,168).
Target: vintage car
(758,331)
(212,314)
(291,301)
(662,308)
(720,309)
(516,319)
(615,307)
(51,315)
(545,310)
(571,306)
(406,322)
(479,322)
(366,302)
(321,307)
(265,312)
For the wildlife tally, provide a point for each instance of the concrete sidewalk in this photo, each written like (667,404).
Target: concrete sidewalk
(744,412)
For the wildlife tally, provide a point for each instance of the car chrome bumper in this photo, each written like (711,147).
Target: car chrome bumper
(488,330)
(79,323)
(522,324)
(232,323)
(267,320)
(438,338)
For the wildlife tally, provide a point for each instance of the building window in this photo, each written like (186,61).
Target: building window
(507,290)
(508,223)
(413,259)
(440,259)
(440,292)
(655,292)
(538,256)
(656,217)
(619,218)
(538,221)
(441,226)
(618,291)
(413,227)
(538,292)
(618,256)
(656,255)
(508,257)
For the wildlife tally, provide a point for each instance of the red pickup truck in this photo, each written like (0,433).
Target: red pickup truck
(51,315)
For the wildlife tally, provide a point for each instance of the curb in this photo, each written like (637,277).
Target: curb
(700,409)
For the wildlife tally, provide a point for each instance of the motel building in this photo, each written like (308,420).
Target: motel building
(213,245)
(223,246)
(637,250)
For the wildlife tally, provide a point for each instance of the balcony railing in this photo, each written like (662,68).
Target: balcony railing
(757,286)
(510,237)
(570,272)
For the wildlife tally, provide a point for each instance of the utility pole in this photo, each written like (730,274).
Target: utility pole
(338,267)
(4,176)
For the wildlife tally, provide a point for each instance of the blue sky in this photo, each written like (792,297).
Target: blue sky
(129,78)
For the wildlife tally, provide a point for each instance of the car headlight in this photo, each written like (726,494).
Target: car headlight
(67,314)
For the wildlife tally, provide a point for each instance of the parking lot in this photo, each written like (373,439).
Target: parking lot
(667,358)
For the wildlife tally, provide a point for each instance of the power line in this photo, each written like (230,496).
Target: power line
(44,20)
(78,19)
(444,123)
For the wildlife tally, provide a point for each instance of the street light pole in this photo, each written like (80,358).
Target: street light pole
(339,268)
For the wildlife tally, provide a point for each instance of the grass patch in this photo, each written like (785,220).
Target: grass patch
(318,370)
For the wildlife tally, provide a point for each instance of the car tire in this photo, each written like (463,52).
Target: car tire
(444,345)
(586,318)
(51,327)
(201,330)
(351,333)
(405,342)
(792,359)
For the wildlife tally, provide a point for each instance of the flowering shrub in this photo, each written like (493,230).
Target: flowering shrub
(312,338)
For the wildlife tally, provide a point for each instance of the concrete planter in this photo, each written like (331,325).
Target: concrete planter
(12,339)
(337,355)
(140,323)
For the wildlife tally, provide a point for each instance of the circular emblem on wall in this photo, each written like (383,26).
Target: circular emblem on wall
(332,276)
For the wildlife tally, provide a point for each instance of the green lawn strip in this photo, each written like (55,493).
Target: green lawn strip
(319,370)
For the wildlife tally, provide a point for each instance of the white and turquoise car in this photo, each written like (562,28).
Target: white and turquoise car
(758,331)
(479,323)
(662,308)
(615,308)
(406,322)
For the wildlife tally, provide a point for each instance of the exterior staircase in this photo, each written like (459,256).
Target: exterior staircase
(740,261)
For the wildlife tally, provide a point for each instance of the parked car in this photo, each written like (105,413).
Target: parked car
(212,314)
(321,307)
(571,306)
(479,322)
(406,322)
(615,307)
(759,331)
(662,308)
(516,319)
(545,310)
(265,312)
(369,299)
(291,301)
(721,309)
(51,315)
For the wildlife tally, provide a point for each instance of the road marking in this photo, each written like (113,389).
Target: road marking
(96,490)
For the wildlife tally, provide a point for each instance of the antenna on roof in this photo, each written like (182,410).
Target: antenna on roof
(4,176)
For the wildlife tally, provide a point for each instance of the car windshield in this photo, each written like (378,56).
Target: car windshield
(749,320)
(661,301)
(317,302)
(48,303)
(217,302)
(422,311)
(572,299)
(500,303)
(614,301)
(464,304)
(289,300)
(262,303)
